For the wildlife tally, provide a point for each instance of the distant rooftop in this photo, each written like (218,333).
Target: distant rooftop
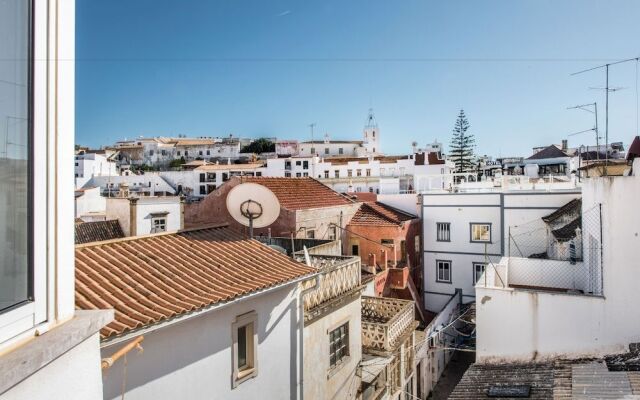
(97,231)
(379,214)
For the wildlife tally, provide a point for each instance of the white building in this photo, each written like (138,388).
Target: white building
(465,231)
(202,180)
(537,309)
(149,184)
(231,328)
(48,350)
(93,163)
(146,215)
(90,204)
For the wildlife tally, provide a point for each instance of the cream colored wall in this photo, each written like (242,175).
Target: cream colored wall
(342,383)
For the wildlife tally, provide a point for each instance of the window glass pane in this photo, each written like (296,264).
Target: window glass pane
(14,151)
(242,347)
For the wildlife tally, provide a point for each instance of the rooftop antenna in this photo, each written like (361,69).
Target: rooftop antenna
(607,89)
(253,205)
(587,108)
(311,126)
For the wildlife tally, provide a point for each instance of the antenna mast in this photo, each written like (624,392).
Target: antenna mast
(607,90)
(595,129)
(311,126)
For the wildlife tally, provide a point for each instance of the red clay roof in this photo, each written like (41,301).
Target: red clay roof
(377,214)
(300,193)
(154,278)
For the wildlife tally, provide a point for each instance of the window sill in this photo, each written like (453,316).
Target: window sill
(339,365)
(38,352)
(244,375)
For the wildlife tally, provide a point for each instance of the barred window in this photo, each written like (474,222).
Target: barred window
(338,344)
(443,231)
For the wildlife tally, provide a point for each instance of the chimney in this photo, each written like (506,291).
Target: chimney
(565,143)
(372,260)
(133,216)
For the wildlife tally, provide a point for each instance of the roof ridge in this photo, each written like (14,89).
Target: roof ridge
(152,235)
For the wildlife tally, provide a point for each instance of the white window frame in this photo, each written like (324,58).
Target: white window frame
(20,320)
(441,278)
(240,375)
(163,225)
(443,231)
(477,277)
(472,238)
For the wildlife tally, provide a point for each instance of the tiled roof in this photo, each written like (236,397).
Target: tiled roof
(568,231)
(572,207)
(379,214)
(97,231)
(300,193)
(154,278)
(476,382)
(548,152)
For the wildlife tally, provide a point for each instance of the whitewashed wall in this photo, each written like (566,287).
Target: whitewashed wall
(526,325)
(192,359)
(91,202)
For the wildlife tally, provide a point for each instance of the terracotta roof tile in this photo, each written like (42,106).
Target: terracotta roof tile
(154,278)
(377,214)
(97,231)
(300,193)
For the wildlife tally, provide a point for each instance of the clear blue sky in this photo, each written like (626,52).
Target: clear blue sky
(269,68)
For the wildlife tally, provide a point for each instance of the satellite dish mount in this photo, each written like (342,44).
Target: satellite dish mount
(251,209)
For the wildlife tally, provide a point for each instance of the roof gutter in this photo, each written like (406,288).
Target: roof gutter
(184,317)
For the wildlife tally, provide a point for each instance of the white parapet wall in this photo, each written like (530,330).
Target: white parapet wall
(514,324)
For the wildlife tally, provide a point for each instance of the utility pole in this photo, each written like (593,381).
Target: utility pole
(607,90)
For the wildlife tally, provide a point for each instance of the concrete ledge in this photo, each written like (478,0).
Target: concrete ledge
(34,355)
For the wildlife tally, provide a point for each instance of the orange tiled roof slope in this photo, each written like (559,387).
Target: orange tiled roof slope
(301,193)
(153,278)
(379,214)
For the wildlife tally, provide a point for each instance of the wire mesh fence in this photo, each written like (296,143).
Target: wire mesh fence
(561,252)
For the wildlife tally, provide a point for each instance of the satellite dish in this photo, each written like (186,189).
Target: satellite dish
(253,205)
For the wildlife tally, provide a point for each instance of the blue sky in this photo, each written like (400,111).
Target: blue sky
(269,68)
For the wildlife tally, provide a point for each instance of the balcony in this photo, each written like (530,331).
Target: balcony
(398,278)
(386,322)
(339,282)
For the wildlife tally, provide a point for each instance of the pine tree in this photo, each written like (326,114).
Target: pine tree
(462,144)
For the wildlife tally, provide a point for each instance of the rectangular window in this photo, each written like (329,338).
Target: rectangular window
(245,346)
(178,152)
(443,231)
(200,152)
(203,177)
(340,150)
(349,173)
(313,150)
(368,171)
(305,165)
(186,153)
(480,232)
(386,242)
(163,152)
(211,176)
(443,271)
(203,189)
(210,188)
(332,233)
(355,250)
(326,174)
(225,176)
(358,172)
(16,140)
(287,174)
(150,152)
(326,150)
(305,174)
(258,173)
(298,174)
(338,344)
(478,270)
(158,224)
(311,234)
(298,163)
(336,173)
(208,152)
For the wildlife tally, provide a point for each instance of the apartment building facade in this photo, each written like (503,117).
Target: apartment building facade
(466,231)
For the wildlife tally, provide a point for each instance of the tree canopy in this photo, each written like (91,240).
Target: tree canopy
(259,146)
(462,145)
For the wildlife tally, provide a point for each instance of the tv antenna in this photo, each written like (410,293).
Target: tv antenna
(253,205)
(587,107)
(607,89)
(311,126)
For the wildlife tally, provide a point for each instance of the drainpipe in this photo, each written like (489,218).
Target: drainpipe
(303,293)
